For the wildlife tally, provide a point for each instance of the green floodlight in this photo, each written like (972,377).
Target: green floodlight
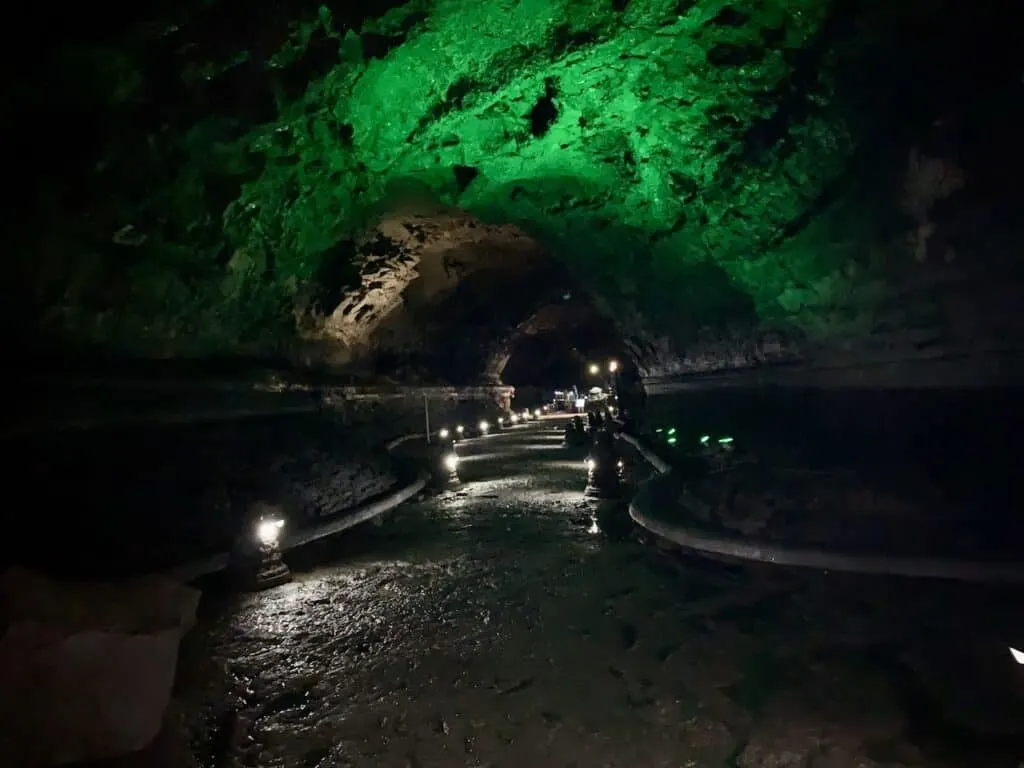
(724,440)
(704,439)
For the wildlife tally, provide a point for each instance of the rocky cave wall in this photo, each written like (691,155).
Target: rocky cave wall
(442,296)
(737,182)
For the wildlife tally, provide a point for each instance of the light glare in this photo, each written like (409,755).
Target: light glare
(1018,656)
(268,531)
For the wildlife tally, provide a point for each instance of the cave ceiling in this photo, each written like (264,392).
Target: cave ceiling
(702,170)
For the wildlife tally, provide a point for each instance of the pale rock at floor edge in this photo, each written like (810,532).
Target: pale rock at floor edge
(86,669)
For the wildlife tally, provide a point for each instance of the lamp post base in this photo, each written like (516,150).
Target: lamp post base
(271,577)
(447,480)
(260,568)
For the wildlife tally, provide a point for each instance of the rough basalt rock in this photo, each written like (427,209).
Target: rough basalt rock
(724,179)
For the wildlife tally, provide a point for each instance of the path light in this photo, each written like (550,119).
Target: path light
(604,468)
(444,433)
(459,430)
(269,531)
(449,470)
(484,427)
(256,553)
(1018,656)
(613,366)
(594,369)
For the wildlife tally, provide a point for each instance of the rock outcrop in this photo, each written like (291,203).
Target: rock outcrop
(737,183)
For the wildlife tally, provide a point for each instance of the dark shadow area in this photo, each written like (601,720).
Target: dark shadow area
(548,360)
(454,337)
(950,450)
(116,501)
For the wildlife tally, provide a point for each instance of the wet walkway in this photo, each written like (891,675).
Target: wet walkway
(512,623)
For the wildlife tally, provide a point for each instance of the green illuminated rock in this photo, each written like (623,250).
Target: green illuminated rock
(694,162)
(665,150)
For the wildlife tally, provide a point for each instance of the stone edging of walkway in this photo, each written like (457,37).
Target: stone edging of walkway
(746,548)
(340,521)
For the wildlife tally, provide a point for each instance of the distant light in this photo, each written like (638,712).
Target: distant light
(594,369)
(620,464)
(659,430)
(500,421)
(613,366)
(513,418)
(537,413)
(581,403)
(269,531)
(460,429)
(450,461)
(724,440)
(591,464)
(672,431)
(705,439)
(443,433)
(1018,656)
(672,441)
(484,426)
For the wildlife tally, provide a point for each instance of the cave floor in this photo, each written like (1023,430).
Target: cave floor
(511,622)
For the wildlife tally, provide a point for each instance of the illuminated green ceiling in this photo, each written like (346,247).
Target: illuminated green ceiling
(691,161)
(664,150)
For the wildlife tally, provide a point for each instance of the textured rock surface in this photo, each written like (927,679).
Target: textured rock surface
(737,183)
(181,492)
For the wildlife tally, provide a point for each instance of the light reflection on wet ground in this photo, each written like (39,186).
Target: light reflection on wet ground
(511,622)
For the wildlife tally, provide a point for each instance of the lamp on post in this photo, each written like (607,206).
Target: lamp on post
(256,553)
(447,473)
(612,370)
(604,468)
